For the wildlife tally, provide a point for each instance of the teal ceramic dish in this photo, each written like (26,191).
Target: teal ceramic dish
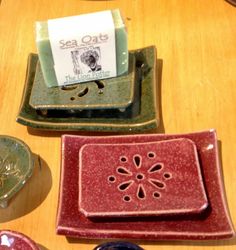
(16,166)
(146,119)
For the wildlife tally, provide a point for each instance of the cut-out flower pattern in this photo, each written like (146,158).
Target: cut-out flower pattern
(155,176)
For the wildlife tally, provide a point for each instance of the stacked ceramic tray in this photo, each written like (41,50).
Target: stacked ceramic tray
(149,187)
(125,103)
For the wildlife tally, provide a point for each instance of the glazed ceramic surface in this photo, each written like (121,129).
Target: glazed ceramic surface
(148,113)
(101,94)
(152,178)
(16,165)
(10,240)
(213,223)
(100,99)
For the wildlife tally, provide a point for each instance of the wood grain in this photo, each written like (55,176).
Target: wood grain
(196,41)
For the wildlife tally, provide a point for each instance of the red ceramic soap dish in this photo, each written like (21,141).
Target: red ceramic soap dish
(11,240)
(141,179)
(213,223)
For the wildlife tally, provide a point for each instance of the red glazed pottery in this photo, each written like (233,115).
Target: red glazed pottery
(11,240)
(152,178)
(214,222)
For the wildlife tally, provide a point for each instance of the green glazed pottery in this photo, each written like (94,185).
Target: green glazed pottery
(16,165)
(142,115)
(116,92)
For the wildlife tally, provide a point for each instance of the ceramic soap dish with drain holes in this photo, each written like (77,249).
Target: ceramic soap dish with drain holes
(116,94)
(147,187)
(125,103)
(142,179)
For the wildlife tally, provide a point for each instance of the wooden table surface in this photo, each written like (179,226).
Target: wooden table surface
(196,41)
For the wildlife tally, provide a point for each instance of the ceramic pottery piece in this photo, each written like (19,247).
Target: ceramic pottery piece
(141,115)
(119,245)
(213,223)
(143,179)
(16,166)
(11,240)
(117,97)
(100,94)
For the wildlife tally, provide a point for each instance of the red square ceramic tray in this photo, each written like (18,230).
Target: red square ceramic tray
(140,179)
(214,223)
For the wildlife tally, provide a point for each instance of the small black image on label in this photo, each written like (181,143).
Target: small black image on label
(86,60)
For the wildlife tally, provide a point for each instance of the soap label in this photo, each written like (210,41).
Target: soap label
(83,47)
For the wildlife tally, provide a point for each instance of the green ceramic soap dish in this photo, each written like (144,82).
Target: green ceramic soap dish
(142,115)
(16,165)
(113,93)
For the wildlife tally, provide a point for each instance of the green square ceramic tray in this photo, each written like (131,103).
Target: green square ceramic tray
(111,93)
(148,117)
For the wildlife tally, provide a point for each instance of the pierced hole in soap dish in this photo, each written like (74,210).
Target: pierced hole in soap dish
(83,92)
(123,159)
(167,175)
(125,185)
(157,183)
(155,168)
(151,155)
(137,160)
(127,198)
(72,98)
(124,171)
(100,84)
(70,87)
(140,176)
(111,178)
(156,195)
(141,192)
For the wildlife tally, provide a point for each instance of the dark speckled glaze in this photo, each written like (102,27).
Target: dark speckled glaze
(117,92)
(135,118)
(11,240)
(214,223)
